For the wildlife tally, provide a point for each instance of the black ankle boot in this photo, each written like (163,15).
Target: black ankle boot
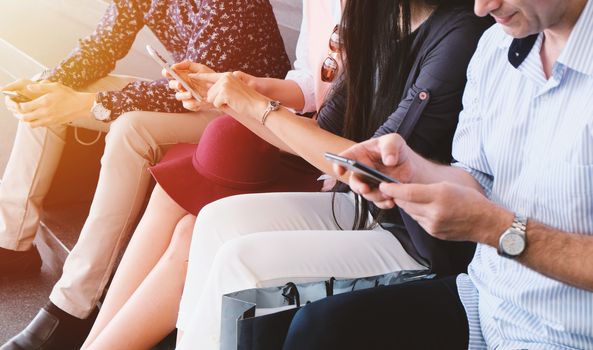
(52,329)
(17,264)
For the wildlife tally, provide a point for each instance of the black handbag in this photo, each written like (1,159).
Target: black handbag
(259,318)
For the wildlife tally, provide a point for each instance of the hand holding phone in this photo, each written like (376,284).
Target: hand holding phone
(371,176)
(166,66)
(16,96)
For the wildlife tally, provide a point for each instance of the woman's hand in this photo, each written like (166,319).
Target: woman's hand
(182,69)
(51,104)
(205,82)
(231,93)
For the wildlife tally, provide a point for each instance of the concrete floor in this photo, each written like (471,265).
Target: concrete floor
(21,299)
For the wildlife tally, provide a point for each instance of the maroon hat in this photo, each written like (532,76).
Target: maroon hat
(230,160)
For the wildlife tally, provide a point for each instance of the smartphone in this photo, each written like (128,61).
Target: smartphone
(373,176)
(166,66)
(16,96)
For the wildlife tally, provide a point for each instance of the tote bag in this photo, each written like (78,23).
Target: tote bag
(259,318)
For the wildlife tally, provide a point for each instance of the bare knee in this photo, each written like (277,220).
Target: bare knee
(181,240)
(161,201)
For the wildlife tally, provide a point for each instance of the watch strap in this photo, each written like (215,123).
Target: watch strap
(520,223)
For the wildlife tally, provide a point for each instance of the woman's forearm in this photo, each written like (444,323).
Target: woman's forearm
(287,92)
(306,139)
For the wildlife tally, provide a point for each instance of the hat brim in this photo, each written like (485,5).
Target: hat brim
(177,176)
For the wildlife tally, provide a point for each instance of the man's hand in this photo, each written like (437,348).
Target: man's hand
(450,211)
(19,86)
(52,104)
(388,154)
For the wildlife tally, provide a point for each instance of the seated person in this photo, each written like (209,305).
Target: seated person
(259,240)
(229,159)
(521,188)
(79,91)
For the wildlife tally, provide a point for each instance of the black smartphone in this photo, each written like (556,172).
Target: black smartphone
(374,176)
(16,96)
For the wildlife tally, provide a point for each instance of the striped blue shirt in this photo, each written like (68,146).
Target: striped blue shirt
(529,141)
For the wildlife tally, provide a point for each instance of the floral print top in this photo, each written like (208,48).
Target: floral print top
(225,35)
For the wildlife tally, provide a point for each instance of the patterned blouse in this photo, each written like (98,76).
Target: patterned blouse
(225,35)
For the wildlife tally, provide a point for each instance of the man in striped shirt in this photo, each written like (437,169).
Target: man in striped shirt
(521,187)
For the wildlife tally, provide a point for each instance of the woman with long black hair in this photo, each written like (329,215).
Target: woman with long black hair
(404,71)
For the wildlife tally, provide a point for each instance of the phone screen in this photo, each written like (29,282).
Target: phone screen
(16,96)
(166,66)
(373,176)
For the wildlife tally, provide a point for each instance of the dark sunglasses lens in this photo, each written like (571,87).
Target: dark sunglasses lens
(329,69)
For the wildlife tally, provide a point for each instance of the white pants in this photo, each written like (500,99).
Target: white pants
(135,141)
(262,240)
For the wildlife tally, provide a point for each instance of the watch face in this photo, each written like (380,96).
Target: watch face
(101,113)
(513,244)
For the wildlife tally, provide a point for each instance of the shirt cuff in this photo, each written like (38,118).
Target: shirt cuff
(305,81)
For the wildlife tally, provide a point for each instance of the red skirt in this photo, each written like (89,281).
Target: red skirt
(229,160)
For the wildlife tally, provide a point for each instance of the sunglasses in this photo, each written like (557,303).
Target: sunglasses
(329,69)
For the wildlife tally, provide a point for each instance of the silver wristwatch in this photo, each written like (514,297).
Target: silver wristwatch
(100,113)
(513,241)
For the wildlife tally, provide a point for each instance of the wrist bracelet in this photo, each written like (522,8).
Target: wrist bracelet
(272,106)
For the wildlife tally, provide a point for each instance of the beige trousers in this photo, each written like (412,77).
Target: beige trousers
(135,141)
(269,239)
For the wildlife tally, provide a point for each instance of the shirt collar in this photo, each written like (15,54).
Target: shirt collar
(520,49)
(578,53)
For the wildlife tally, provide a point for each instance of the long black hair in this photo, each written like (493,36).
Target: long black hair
(376,44)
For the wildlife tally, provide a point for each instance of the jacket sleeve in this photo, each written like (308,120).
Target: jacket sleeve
(155,96)
(332,111)
(96,55)
(442,74)
(228,36)
(239,35)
